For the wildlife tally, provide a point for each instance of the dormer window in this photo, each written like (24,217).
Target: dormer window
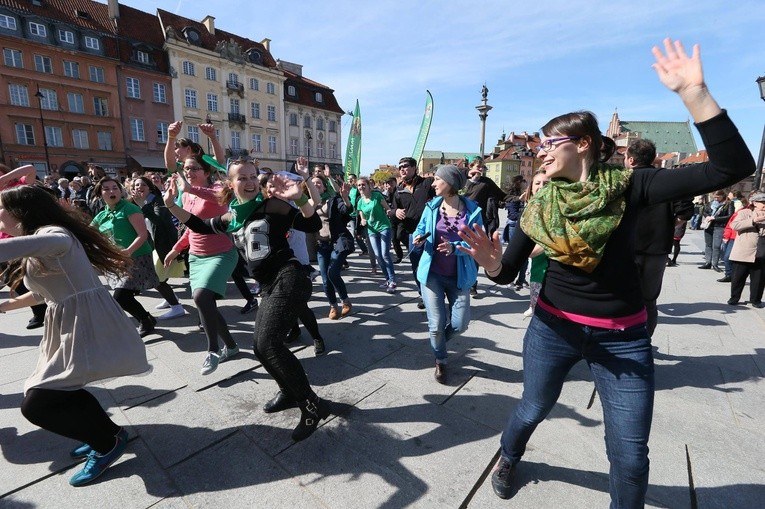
(37,29)
(254,56)
(291,90)
(82,14)
(319,97)
(192,36)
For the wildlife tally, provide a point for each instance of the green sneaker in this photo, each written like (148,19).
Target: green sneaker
(96,464)
(210,364)
(82,450)
(227,353)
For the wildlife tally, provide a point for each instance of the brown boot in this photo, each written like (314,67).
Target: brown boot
(440,373)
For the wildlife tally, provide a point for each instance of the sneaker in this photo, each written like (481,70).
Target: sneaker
(210,364)
(391,287)
(383,285)
(82,450)
(502,478)
(333,313)
(250,306)
(227,353)
(96,464)
(528,312)
(175,312)
(318,347)
(347,307)
(162,305)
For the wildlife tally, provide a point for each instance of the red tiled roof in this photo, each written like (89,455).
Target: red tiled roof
(210,41)
(667,156)
(699,157)
(66,10)
(306,96)
(141,26)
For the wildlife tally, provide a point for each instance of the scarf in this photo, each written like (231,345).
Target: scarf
(572,221)
(241,211)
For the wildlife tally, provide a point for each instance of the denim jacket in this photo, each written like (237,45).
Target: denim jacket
(467,272)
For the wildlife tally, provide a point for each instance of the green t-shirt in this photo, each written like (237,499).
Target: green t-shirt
(353,197)
(116,225)
(374,212)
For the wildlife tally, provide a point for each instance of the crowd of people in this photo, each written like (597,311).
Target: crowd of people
(595,269)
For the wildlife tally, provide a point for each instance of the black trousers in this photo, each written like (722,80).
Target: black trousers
(756,273)
(74,414)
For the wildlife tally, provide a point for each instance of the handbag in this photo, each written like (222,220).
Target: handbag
(344,245)
(706,223)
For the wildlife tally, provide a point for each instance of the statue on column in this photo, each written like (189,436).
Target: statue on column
(484,92)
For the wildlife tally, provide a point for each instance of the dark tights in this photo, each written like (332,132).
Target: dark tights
(212,321)
(73,414)
(167,293)
(238,277)
(309,322)
(675,250)
(126,299)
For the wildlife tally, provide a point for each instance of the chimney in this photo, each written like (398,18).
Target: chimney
(209,23)
(114,9)
(266,44)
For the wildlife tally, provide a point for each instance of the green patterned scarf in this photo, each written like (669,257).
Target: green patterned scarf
(572,221)
(241,211)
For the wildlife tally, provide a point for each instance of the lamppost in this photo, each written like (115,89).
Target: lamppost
(761,159)
(483,112)
(40,96)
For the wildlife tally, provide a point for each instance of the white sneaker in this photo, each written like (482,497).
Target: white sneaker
(210,364)
(162,305)
(528,312)
(175,312)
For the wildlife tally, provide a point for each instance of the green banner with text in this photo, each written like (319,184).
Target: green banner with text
(353,149)
(424,128)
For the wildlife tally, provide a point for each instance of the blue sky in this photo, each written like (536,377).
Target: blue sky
(538,61)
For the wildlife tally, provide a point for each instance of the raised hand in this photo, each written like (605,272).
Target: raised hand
(208,130)
(676,70)
(301,167)
(285,188)
(174,129)
(484,250)
(171,192)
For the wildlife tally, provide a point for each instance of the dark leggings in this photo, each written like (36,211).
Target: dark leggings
(73,414)
(126,299)
(167,293)
(675,249)
(281,301)
(309,322)
(212,321)
(238,277)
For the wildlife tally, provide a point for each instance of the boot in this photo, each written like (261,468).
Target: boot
(147,326)
(278,403)
(311,412)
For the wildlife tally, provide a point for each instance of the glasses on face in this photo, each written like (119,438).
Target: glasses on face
(549,143)
(404,166)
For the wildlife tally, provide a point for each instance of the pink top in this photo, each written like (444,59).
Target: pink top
(203,203)
(620,322)
(20,182)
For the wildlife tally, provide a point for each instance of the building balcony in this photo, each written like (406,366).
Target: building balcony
(234,87)
(237,118)
(233,153)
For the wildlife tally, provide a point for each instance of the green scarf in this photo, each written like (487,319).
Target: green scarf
(572,221)
(241,211)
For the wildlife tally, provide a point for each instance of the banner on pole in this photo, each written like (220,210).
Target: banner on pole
(353,149)
(427,118)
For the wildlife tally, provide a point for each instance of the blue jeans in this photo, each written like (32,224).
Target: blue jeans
(380,244)
(621,363)
(726,256)
(438,289)
(415,253)
(330,266)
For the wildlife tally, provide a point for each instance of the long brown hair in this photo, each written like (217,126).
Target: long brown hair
(582,124)
(528,193)
(34,207)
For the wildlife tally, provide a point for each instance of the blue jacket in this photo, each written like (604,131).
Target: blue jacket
(467,272)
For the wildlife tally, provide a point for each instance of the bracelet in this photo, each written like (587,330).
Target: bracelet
(302,200)
(492,273)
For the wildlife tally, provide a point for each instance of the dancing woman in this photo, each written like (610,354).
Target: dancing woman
(87,336)
(590,306)
(373,214)
(260,227)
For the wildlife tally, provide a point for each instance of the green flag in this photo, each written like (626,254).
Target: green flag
(419,146)
(353,149)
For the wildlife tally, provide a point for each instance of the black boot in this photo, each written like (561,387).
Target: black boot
(318,347)
(278,403)
(311,412)
(147,326)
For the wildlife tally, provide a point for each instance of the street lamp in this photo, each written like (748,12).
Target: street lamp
(761,159)
(40,96)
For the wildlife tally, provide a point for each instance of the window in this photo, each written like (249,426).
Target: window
(293,119)
(80,138)
(43,64)
(193,133)
(319,124)
(160,94)
(293,146)
(307,122)
(133,88)
(272,144)
(76,104)
(254,84)
(7,22)
(236,140)
(37,29)
(96,73)
(188,68)
(291,90)
(100,106)
(162,132)
(142,57)
(19,95)
(25,135)
(66,36)
(270,88)
(53,136)
(233,78)
(332,151)
(49,99)
(211,74)
(271,113)
(320,149)
(136,130)
(104,140)
(319,97)
(12,58)
(332,126)
(91,43)
(255,110)
(191,98)
(307,146)
(71,69)
(234,105)
(256,143)
(212,102)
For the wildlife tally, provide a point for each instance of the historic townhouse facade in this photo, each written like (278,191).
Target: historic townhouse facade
(230,81)
(312,119)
